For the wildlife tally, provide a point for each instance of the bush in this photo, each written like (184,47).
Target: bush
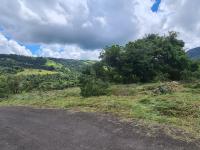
(3,87)
(189,76)
(91,86)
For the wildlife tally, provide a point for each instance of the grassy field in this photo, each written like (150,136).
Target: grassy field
(36,72)
(178,108)
(51,63)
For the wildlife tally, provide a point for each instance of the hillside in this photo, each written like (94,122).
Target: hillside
(22,73)
(194,53)
(16,63)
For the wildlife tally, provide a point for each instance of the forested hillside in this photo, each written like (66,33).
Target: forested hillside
(21,73)
(194,53)
(16,63)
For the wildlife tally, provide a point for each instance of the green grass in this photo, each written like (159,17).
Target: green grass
(36,72)
(52,63)
(179,109)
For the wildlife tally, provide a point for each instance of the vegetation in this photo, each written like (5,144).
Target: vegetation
(180,108)
(91,86)
(194,53)
(151,80)
(16,63)
(36,72)
(3,87)
(23,74)
(152,58)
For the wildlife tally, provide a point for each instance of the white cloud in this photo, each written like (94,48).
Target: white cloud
(54,17)
(182,16)
(12,47)
(146,20)
(68,52)
(80,27)
(91,24)
(101,20)
(87,24)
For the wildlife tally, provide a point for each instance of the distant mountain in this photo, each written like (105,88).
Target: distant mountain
(17,63)
(194,53)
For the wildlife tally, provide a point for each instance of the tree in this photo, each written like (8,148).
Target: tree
(147,59)
(91,85)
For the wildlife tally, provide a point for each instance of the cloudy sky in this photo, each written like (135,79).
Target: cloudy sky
(79,29)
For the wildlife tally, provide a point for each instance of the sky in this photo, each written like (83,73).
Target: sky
(80,29)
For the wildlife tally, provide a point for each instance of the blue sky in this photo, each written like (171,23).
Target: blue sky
(155,6)
(33,47)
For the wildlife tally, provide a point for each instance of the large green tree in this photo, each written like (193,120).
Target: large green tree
(146,59)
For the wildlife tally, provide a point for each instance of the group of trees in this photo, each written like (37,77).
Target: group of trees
(151,58)
(16,63)
(12,84)
(65,73)
(13,64)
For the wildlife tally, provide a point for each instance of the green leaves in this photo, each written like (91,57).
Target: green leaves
(147,58)
(92,86)
(3,87)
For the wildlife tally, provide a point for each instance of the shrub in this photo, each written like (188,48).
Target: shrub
(3,87)
(196,86)
(161,77)
(92,86)
(189,76)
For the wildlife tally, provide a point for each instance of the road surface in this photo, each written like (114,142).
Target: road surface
(46,129)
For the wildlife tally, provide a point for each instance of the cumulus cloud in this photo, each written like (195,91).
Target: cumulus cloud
(68,52)
(80,28)
(183,16)
(12,47)
(91,24)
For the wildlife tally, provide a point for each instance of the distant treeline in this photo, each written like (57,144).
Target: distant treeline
(17,84)
(15,63)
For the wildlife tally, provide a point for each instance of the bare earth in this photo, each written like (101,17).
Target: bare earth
(44,129)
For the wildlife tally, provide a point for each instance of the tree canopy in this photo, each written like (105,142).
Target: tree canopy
(144,60)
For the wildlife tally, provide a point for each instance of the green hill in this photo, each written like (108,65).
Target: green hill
(22,73)
(15,63)
(194,53)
